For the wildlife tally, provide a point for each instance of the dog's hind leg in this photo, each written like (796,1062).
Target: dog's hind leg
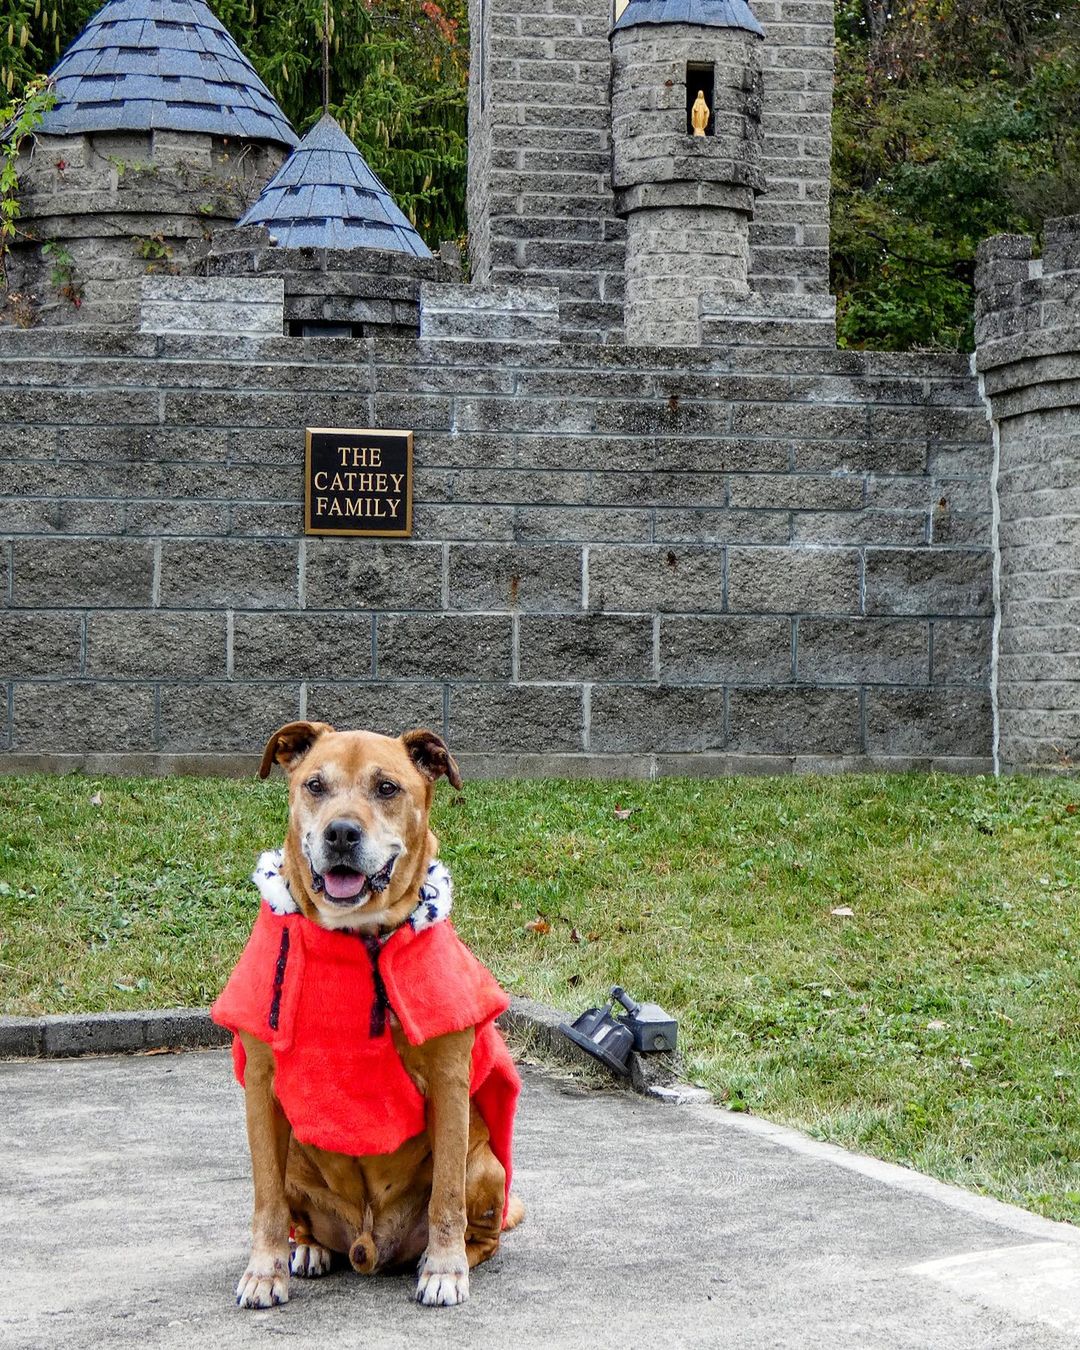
(485,1193)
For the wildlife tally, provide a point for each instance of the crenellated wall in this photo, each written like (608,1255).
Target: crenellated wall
(1028,358)
(629,561)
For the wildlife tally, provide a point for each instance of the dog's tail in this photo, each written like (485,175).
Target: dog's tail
(515,1212)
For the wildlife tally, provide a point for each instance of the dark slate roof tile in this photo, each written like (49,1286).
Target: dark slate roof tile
(165,65)
(704,13)
(326,196)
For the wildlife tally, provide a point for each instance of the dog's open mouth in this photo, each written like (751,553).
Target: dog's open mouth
(345,885)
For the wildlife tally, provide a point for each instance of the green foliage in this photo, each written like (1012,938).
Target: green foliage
(62,275)
(398,81)
(953,120)
(18,120)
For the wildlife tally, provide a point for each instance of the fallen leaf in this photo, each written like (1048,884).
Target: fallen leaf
(573,980)
(843,912)
(96,799)
(936,1025)
(623,812)
(592,937)
(538,925)
(575,936)
(1072,808)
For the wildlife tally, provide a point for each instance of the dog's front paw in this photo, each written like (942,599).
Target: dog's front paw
(265,1283)
(444,1280)
(309,1260)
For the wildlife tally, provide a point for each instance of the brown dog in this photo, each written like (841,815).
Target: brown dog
(356,856)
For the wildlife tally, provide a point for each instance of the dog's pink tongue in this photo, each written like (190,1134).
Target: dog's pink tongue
(341,884)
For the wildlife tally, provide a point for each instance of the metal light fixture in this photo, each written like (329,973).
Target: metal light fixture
(646,1028)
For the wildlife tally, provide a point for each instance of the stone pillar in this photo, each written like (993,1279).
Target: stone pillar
(1028,359)
(539,189)
(687,199)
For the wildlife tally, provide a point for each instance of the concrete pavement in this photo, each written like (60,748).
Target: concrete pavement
(126,1197)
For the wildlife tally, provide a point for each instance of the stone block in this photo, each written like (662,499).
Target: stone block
(218,717)
(625,717)
(795,721)
(21,1037)
(133,646)
(386,708)
(306,646)
(544,577)
(862,651)
(492,719)
(443,646)
(182,1029)
(582,525)
(489,314)
(235,573)
(94,1033)
(471,523)
(924,581)
(928,722)
(80,717)
(64,573)
(860,527)
(213,306)
(804,492)
(793,580)
(715,525)
(46,645)
(725,650)
(651,579)
(354,574)
(585,647)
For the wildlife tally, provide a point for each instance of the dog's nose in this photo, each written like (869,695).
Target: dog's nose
(342,834)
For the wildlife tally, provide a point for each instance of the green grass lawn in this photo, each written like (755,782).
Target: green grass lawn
(938,1024)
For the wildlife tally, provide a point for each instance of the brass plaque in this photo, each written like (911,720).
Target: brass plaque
(358,481)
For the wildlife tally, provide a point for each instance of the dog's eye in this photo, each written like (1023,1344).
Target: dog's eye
(315,786)
(387,789)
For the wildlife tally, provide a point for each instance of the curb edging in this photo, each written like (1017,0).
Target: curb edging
(68,1035)
(114,1033)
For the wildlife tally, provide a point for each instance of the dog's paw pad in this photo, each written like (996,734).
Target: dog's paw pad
(264,1284)
(443,1282)
(309,1260)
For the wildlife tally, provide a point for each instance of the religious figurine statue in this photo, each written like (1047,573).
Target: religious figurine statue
(699,114)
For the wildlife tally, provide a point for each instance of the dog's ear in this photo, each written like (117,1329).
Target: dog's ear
(290,743)
(430,755)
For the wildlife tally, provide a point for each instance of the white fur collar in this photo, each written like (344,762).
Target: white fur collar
(436,891)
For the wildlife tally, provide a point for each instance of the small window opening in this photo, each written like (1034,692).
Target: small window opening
(700,79)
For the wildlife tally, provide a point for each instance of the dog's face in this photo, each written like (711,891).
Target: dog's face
(358,818)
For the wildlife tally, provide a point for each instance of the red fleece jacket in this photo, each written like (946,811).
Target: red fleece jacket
(319,999)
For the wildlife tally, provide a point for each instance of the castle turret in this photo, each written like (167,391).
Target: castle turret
(686,147)
(161,131)
(350,260)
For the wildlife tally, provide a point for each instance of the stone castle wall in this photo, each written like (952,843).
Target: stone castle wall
(632,561)
(1028,335)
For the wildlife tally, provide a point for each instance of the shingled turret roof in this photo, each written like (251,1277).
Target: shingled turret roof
(326,196)
(704,13)
(161,65)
